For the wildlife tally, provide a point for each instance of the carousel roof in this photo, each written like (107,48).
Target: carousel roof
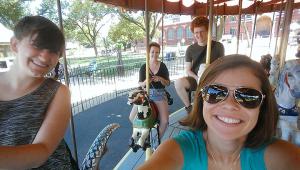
(200,7)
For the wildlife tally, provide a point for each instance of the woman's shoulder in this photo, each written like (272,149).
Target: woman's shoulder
(143,66)
(54,87)
(283,155)
(189,139)
(163,65)
(62,89)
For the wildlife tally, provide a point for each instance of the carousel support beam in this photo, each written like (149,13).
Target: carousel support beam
(148,150)
(67,82)
(271,31)
(276,53)
(162,29)
(254,30)
(211,20)
(147,45)
(239,26)
(286,31)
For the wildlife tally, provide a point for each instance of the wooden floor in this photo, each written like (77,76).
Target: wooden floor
(132,160)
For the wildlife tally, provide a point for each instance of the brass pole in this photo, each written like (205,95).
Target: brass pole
(209,38)
(254,30)
(271,31)
(147,45)
(286,31)
(277,31)
(66,75)
(239,26)
(162,29)
(148,150)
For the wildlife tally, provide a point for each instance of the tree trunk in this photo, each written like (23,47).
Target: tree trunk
(120,66)
(246,32)
(220,28)
(95,46)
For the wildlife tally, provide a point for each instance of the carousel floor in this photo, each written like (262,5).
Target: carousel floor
(132,160)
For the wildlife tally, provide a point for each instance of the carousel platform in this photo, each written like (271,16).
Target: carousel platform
(132,160)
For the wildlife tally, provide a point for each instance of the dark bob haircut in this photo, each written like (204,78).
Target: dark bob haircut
(49,36)
(265,128)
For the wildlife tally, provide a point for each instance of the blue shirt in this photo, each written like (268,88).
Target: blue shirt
(194,152)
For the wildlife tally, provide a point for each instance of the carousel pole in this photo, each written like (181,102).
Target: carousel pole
(162,29)
(209,38)
(147,45)
(271,31)
(239,26)
(286,31)
(278,29)
(66,75)
(254,30)
(274,72)
(148,150)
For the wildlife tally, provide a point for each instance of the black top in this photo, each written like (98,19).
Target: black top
(162,72)
(194,51)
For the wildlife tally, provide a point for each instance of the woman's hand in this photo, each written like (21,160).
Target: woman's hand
(160,79)
(156,78)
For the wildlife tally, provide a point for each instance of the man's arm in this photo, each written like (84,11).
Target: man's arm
(189,72)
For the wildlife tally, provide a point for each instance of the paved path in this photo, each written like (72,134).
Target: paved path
(90,122)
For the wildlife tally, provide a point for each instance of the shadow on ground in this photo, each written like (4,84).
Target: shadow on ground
(90,122)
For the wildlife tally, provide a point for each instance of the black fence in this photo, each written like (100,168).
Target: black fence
(91,86)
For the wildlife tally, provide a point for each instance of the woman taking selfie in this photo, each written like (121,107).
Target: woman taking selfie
(232,125)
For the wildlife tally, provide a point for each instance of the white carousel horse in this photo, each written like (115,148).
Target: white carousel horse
(145,119)
(287,95)
(98,148)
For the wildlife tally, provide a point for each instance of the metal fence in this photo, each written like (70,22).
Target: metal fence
(91,87)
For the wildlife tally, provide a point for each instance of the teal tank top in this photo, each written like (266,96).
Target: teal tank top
(194,152)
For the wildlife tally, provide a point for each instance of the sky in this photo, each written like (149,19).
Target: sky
(6,34)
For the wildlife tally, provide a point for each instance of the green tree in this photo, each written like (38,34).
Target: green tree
(140,20)
(48,9)
(126,33)
(11,12)
(85,20)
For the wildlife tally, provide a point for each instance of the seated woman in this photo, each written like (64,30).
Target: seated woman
(34,110)
(159,80)
(232,124)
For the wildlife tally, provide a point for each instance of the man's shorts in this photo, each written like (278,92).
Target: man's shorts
(157,94)
(193,83)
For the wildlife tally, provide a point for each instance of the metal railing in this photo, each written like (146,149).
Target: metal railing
(91,87)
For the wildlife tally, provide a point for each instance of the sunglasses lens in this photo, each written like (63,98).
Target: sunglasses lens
(249,98)
(214,93)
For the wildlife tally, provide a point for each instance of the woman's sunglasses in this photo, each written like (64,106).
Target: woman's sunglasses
(247,97)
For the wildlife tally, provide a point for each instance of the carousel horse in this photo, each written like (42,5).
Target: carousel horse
(145,119)
(98,148)
(287,94)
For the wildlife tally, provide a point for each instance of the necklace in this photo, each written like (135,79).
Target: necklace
(215,161)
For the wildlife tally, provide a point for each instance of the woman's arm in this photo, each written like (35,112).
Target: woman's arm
(282,155)
(47,139)
(167,156)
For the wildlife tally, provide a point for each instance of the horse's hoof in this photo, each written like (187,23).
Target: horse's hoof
(135,148)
